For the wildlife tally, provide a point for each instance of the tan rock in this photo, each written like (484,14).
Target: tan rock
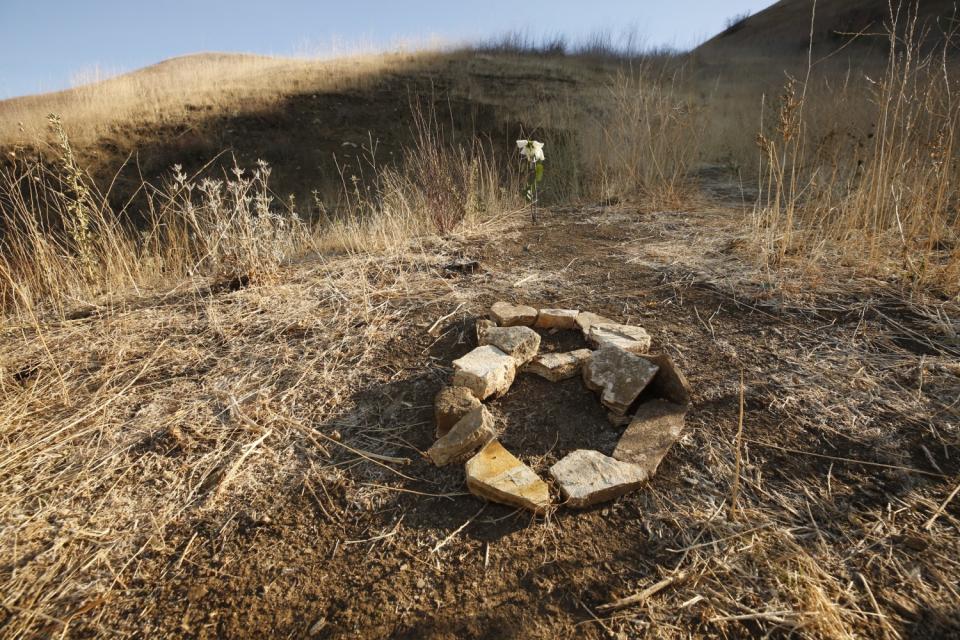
(559,366)
(669,383)
(510,315)
(587,477)
(470,433)
(619,376)
(450,405)
(586,319)
(486,371)
(627,337)
(653,430)
(557,319)
(496,475)
(521,343)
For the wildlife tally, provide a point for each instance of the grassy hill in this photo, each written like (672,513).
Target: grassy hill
(785,27)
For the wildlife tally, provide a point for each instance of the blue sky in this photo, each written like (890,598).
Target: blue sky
(47,45)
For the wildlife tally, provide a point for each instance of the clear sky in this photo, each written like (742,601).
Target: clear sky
(52,44)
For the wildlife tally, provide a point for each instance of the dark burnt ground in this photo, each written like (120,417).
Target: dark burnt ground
(348,546)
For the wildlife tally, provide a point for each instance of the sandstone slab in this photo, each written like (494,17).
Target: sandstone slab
(559,366)
(586,319)
(521,343)
(486,371)
(655,427)
(619,376)
(627,337)
(496,475)
(588,477)
(513,315)
(471,432)
(557,319)
(450,405)
(669,383)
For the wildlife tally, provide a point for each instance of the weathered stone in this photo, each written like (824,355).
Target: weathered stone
(587,477)
(557,319)
(627,337)
(669,383)
(559,366)
(486,371)
(618,420)
(655,427)
(586,319)
(618,375)
(496,475)
(521,343)
(482,326)
(470,433)
(450,405)
(510,315)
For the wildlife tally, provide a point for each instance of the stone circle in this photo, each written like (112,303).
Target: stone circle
(644,393)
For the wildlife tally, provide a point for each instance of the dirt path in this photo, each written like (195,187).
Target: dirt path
(350,544)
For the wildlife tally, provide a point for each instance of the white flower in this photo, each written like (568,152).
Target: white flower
(531,150)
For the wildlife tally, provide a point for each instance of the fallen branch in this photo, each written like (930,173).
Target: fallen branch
(637,598)
(936,514)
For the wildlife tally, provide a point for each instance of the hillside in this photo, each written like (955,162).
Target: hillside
(784,28)
(332,359)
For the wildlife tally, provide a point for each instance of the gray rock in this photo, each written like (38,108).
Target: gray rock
(557,319)
(559,366)
(653,430)
(669,383)
(587,477)
(510,315)
(469,434)
(625,336)
(521,343)
(450,405)
(486,371)
(586,319)
(496,475)
(619,376)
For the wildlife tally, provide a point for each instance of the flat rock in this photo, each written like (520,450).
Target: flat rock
(486,371)
(587,477)
(450,405)
(618,375)
(557,319)
(496,475)
(520,343)
(559,366)
(470,433)
(513,315)
(625,336)
(586,319)
(669,383)
(653,430)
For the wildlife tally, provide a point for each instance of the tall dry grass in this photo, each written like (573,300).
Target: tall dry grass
(864,171)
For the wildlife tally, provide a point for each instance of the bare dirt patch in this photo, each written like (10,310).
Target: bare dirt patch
(248,463)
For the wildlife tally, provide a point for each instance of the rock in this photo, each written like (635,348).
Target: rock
(587,477)
(618,420)
(559,366)
(509,315)
(586,319)
(450,405)
(482,326)
(486,371)
(653,430)
(619,376)
(557,319)
(470,433)
(669,383)
(521,343)
(496,475)
(627,337)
